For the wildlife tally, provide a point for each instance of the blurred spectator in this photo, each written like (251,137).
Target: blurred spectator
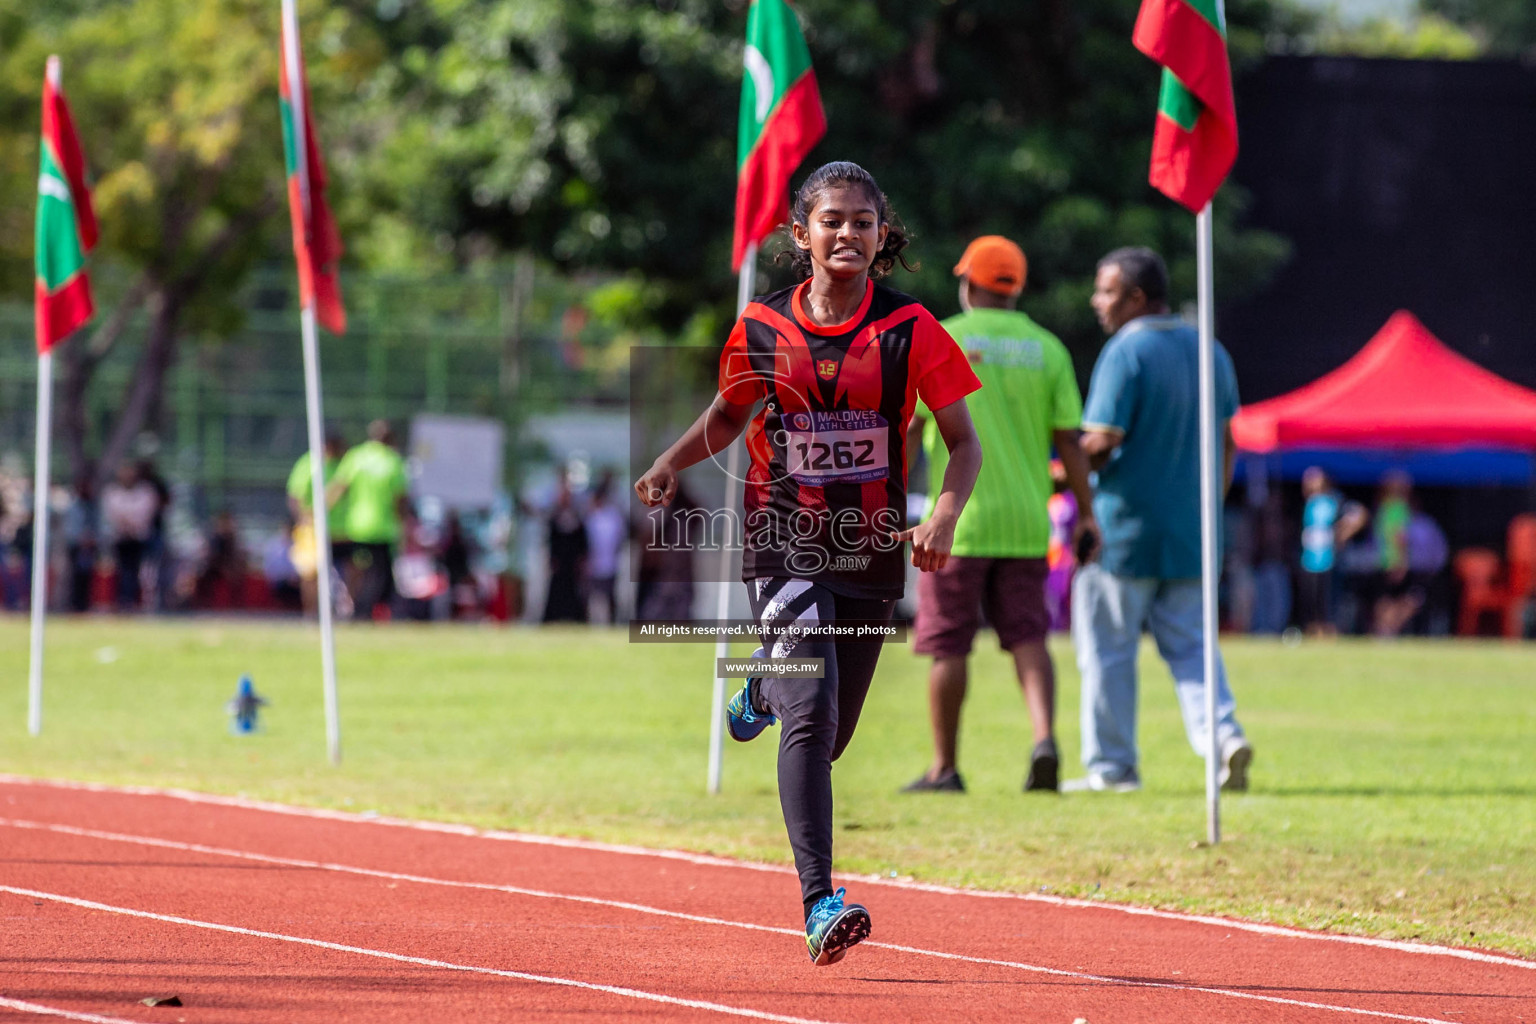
(301,506)
(419,580)
(1396,602)
(665,578)
(81,532)
(277,567)
(1357,581)
(1428,555)
(157,553)
(1271,569)
(568,548)
(1237,557)
(1060,559)
(372,479)
(607,530)
(16,554)
(221,584)
(1327,523)
(11,503)
(458,560)
(129,505)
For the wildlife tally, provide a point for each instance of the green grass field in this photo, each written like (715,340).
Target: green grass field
(1392,791)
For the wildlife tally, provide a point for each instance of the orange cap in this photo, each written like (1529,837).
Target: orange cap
(994,263)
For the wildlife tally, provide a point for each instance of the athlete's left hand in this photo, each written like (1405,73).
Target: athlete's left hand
(931,540)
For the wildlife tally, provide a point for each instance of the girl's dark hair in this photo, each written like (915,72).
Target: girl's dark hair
(844,174)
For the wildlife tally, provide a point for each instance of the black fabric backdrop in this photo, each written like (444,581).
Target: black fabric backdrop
(1401,184)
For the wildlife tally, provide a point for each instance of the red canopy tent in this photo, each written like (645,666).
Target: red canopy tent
(1404,389)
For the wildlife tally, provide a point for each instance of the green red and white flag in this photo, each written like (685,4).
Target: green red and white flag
(316,242)
(66,223)
(781,120)
(1195,142)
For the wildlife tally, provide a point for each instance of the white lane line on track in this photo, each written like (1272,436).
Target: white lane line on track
(394,876)
(706,860)
(171,844)
(54,1011)
(380,954)
(1169,985)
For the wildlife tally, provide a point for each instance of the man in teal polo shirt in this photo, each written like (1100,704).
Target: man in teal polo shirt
(1028,402)
(372,479)
(1141,432)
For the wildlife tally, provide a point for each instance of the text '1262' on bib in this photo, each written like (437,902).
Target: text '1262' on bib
(844,446)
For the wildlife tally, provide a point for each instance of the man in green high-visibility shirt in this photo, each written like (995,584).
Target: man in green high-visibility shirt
(301,506)
(372,479)
(1028,402)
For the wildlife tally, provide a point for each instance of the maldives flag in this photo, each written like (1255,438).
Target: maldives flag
(66,224)
(316,243)
(1195,143)
(781,119)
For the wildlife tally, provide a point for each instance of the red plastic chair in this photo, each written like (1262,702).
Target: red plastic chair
(1520,555)
(1482,589)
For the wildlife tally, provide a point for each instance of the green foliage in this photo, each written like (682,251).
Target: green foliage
(176,104)
(592,133)
(1391,791)
(1427,37)
(602,135)
(1506,28)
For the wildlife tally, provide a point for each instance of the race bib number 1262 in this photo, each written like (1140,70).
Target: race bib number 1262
(847,446)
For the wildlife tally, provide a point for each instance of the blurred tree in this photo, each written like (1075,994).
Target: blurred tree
(595,134)
(1030,120)
(603,135)
(176,103)
(1423,37)
(1507,28)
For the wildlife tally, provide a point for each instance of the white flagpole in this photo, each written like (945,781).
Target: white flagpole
(1209,511)
(40,483)
(322,530)
(40,533)
(318,506)
(733,477)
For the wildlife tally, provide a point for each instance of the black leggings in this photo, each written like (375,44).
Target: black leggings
(817,716)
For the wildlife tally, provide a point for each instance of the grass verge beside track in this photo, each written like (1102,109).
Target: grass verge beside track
(1392,791)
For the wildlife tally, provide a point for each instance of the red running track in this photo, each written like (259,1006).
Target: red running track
(254,912)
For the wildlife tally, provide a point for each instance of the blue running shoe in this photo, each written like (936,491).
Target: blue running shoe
(743,720)
(834,928)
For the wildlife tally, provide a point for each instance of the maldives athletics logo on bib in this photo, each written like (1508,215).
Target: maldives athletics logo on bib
(826,369)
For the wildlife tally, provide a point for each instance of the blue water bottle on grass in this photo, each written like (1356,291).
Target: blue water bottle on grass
(243,707)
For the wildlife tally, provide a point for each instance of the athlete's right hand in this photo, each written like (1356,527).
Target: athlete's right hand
(932,540)
(657,486)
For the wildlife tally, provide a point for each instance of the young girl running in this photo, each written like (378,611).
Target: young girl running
(837,363)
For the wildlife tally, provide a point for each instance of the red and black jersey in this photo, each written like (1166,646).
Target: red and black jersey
(827,483)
